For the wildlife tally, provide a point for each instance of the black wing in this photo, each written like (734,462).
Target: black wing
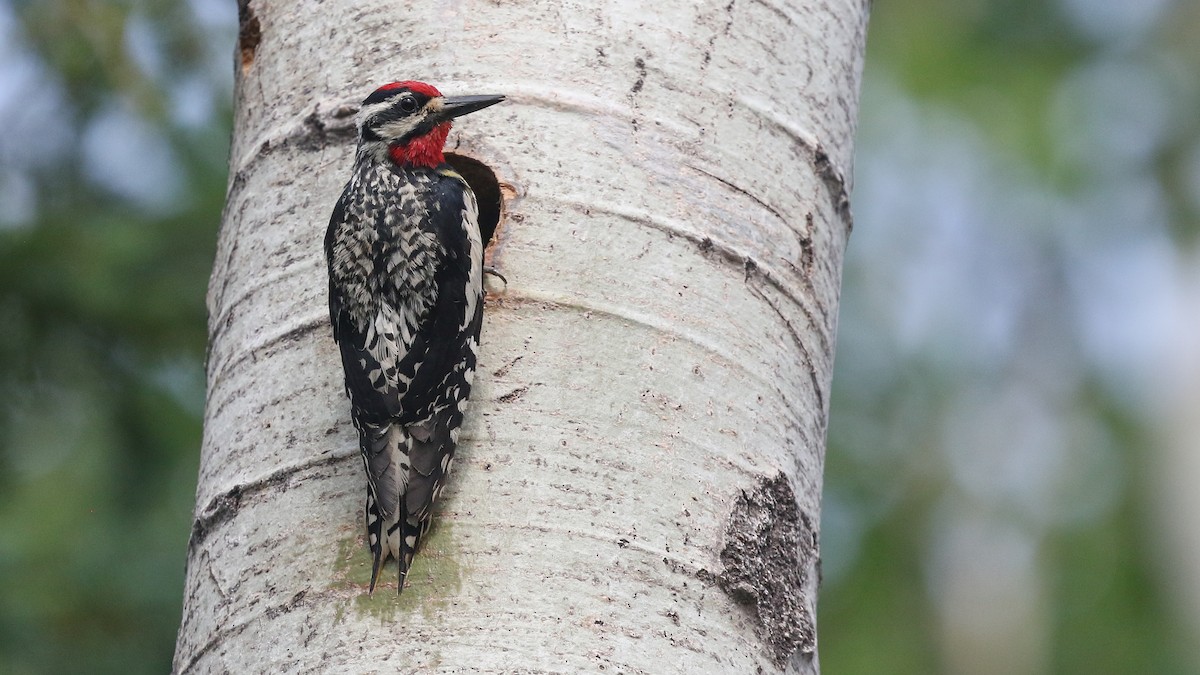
(434,403)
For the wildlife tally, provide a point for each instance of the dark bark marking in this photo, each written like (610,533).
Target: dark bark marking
(249,34)
(835,183)
(224,507)
(217,369)
(513,395)
(320,129)
(503,370)
(769,546)
(807,251)
(640,64)
(221,634)
(804,352)
(286,607)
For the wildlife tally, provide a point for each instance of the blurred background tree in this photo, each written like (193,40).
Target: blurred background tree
(1011,454)
(114,128)
(1007,487)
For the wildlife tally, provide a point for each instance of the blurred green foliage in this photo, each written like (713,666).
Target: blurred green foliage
(102,342)
(1027,174)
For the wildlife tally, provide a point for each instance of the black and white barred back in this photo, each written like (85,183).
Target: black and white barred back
(405,299)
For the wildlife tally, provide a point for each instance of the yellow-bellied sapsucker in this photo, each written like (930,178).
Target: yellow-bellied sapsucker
(406,302)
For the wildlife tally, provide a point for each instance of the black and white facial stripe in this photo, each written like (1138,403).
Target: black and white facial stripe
(395,116)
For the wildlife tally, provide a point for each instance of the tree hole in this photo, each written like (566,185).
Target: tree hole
(486,187)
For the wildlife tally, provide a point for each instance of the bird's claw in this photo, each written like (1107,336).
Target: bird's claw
(488,269)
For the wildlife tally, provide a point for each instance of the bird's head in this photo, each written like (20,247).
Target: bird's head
(407,122)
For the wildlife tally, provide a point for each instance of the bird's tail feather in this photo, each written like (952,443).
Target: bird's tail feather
(385,456)
(407,468)
(408,546)
(374,538)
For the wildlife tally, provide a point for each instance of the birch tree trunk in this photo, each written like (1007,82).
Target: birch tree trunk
(638,484)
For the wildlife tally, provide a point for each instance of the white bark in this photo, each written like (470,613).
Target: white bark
(638,484)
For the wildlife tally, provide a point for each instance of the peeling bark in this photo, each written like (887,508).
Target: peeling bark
(638,482)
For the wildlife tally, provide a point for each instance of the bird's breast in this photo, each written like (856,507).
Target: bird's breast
(386,248)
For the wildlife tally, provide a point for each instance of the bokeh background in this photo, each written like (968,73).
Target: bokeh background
(1013,479)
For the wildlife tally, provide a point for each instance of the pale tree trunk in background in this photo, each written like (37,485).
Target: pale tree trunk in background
(638,484)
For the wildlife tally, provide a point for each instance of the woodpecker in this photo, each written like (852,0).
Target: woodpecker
(406,302)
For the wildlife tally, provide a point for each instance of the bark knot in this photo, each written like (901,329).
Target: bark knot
(769,547)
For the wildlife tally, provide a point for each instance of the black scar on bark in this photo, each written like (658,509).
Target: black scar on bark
(769,548)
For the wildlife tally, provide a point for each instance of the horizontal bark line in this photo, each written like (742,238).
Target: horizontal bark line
(676,563)
(808,255)
(550,303)
(221,310)
(806,240)
(246,352)
(311,132)
(223,507)
(823,166)
(570,497)
(807,362)
(750,266)
(301,599)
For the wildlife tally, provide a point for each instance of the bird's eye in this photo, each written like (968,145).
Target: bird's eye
(408,104)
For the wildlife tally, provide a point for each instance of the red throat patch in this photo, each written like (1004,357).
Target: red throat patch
(424,150)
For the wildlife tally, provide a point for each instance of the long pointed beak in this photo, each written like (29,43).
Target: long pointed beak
(457,106)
